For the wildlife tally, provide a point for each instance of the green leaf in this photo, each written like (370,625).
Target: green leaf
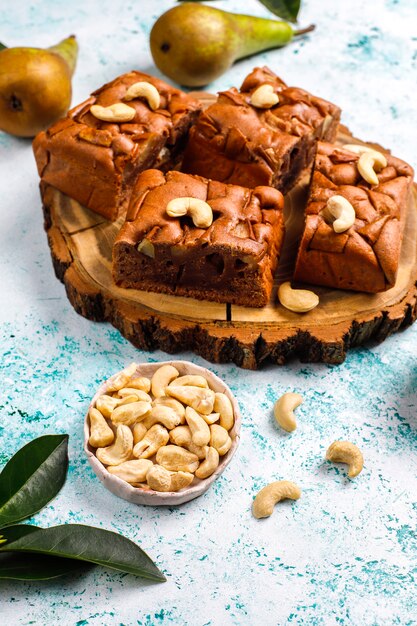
(286,9)
(83,543)
(17,566)
(2,46)
(32,477)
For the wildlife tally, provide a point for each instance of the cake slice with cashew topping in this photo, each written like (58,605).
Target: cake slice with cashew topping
(190,236)
(96,152)
(354,219)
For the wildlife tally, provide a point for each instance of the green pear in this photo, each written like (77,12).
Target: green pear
(194,43)
(35,86)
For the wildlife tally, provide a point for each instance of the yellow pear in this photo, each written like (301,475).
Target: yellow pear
(194,43)
(35,86)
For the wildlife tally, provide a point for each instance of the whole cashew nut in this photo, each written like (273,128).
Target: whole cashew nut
(199,398)
(158,478)
(106,404)
(141,382)
(200,431)
(269,496)
(194,380)
(118,112)
(223,405)
(121,379)
(177,459)
(297,300)
(130,413)
(284,410)
(339,210)
(161,379)
(164,415)
(180,480)
(173,404)
(131,471)
(126,392)
(346,452)
(120,451)
(200,211)
(100,432)
(370,162)
(139,431)
(181,436)
(220,439)
(209,465)
(145,90)
(155,438)
(380,159)
(264,97)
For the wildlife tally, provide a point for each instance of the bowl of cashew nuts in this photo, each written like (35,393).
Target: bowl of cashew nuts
(161,433)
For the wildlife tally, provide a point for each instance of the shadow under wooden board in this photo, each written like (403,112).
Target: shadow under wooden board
(81,248)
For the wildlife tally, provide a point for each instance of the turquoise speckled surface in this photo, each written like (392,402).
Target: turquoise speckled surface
(346,552)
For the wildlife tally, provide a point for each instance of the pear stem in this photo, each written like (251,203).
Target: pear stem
(303,31)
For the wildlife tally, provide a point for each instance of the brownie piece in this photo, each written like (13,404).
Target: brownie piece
(365,257)
(235,142)
(97,162)
(233,260)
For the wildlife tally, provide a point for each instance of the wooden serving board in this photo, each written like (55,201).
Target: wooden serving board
(81,248)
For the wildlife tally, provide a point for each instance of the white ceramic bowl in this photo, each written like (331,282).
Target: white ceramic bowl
(155,498)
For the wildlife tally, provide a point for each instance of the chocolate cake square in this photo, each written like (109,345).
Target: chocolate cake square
(236,142)
(96,162)
(366,256)
(232,260)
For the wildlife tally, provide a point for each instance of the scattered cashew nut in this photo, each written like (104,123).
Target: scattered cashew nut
(284,410)
(200,211)
(264,97)
(346,452)
(120,451)
(269,496)
(209,465)
(161,379)
(145,90)
(340,211)
(177,459)
(199,398)
(100,432)
(155,438)
(118,112)
(297,300)
(131,471)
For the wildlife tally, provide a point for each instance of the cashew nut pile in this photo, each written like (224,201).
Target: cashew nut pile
(160,433)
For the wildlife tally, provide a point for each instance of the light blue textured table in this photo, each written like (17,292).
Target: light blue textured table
(346,552)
